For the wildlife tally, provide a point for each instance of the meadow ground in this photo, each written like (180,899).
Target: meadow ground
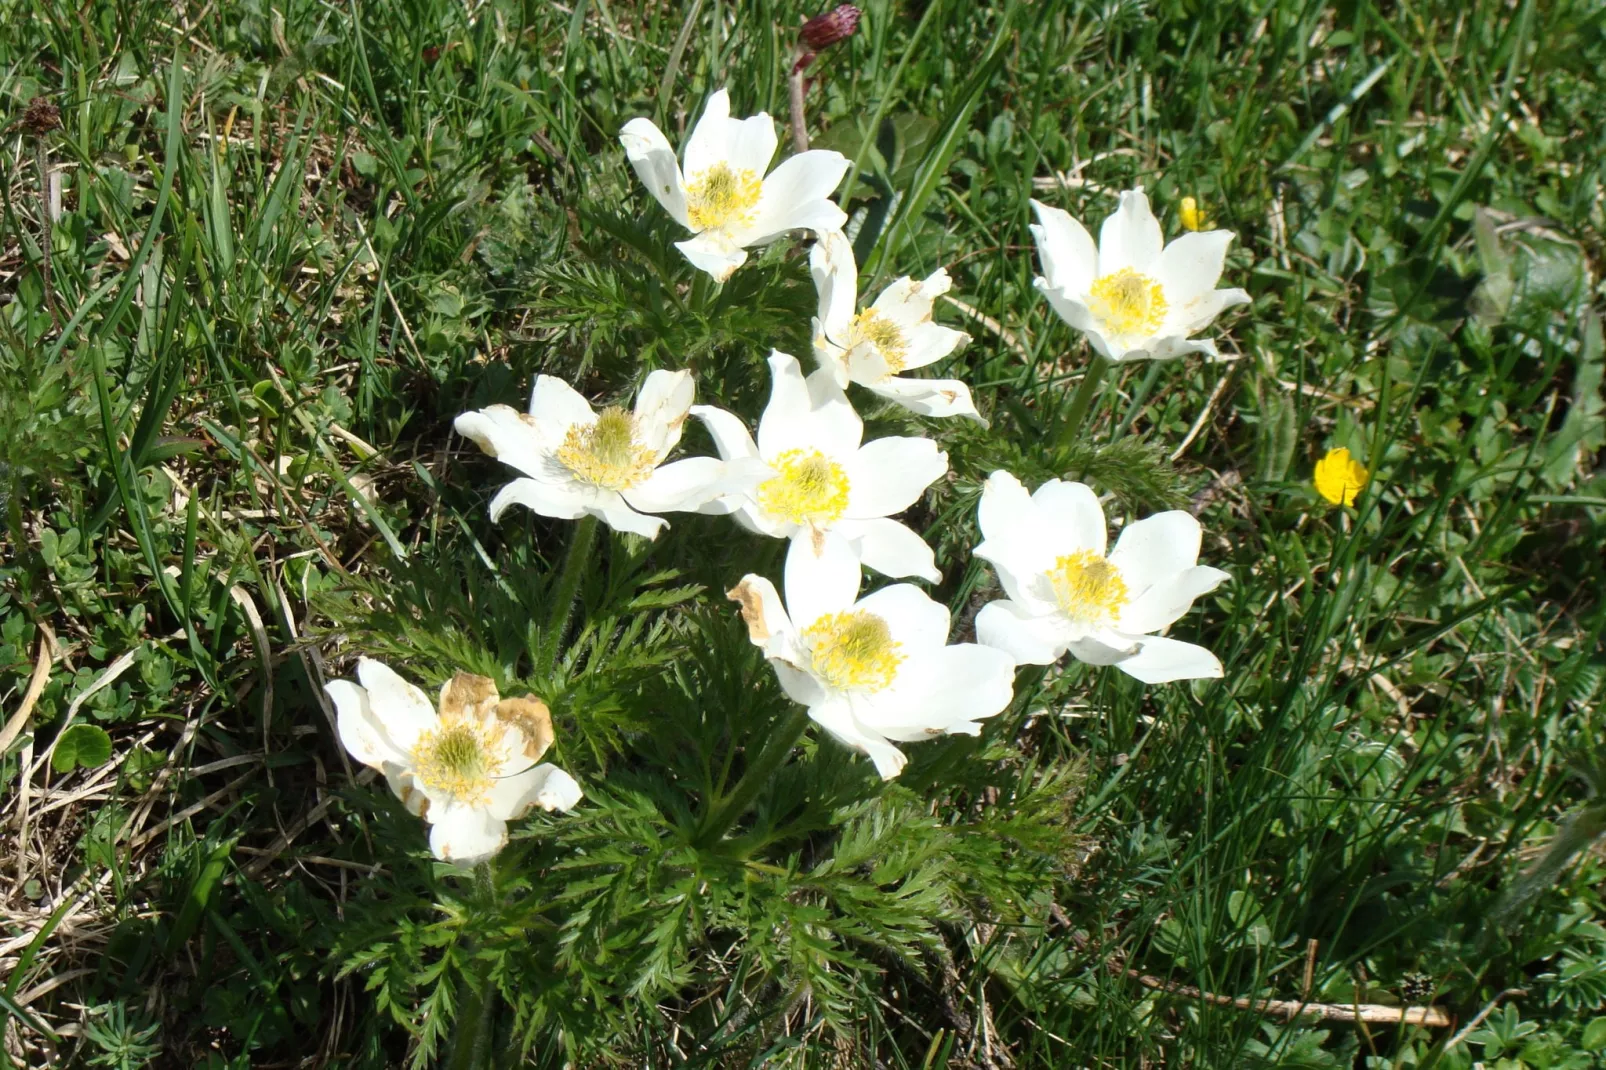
(254,259)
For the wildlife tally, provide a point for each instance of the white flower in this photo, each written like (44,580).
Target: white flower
(723,196)
(809,479)
(1132,298)
(896,334)
(468,769)
(875,669)
(1065,594)
(577,462)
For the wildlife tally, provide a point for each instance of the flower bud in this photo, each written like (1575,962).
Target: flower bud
(823,31)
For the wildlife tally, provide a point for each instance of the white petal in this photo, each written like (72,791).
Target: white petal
(708,143)
(650,154)
(797,683)
(836,278)
(406,788)
(1075,313)
(1105,648)
(810,414)
(683,486)
(836,718)
(502,433)
(1167,600)
(1197,313)
(930,397)
(1073,513)
(1160,660)
(830,357)
(1017,539)
(545,499)
(795,197)
(1131,237)
(1065,248)
(465,835)
(401,708)
(890,547)
(928,343)
(545,786)
(942,691)
(555,402)
(730,435)
(907,303)
(1170,347)
(661,408)
(360,732)
(838,429)
(613,511)
(750,144)
(713,252)
(915,620)
(762,611)
(1189,267)
(1156,548)
(822,576)
(1028,638)
(889,475)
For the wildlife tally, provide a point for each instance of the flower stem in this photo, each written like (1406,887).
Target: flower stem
(725,812)
(475,1023)
(797,87)
(574,566)
(1082,400)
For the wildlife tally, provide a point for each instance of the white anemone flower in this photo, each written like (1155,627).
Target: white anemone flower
(894,335)
(467,768)
(1131,297)
(609,464)
(810,477)
(876,669)
(1066,594)
(723,195)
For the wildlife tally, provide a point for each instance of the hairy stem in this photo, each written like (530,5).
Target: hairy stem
(575,560)
(1082,400)
(797,86)
(724,813)
(475,1024)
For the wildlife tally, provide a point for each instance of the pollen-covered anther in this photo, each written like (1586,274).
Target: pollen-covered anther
(458,760)
(719,196)
(1088,588)
(808,488)
(607,453)
(887,337)
(1130,303)
(853,651)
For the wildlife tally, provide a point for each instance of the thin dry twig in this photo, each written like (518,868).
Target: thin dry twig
(1292,1008)
(1478,1018)
(36,685)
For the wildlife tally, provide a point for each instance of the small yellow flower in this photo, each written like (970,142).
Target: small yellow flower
(1193,216)
(1340,477)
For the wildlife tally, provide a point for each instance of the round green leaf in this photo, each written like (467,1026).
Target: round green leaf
(1595,1034)
(81,744)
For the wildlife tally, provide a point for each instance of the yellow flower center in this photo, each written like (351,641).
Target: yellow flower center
(718,197)
(1193,216)
(1130,303)
(458,759)
(1340,477)
(853,651)
(807,488)
(1088,588)
(607,453)
(887,337)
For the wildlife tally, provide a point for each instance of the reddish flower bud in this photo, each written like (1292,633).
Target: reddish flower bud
(823,31)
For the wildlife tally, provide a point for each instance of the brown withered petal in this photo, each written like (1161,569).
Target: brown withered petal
(467,695)
(533,720)
(825,30)
(758,629)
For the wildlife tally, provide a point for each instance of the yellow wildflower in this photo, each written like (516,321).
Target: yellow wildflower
(1340,477)
(1193,216)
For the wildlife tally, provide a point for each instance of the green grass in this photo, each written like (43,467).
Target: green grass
(298,239)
